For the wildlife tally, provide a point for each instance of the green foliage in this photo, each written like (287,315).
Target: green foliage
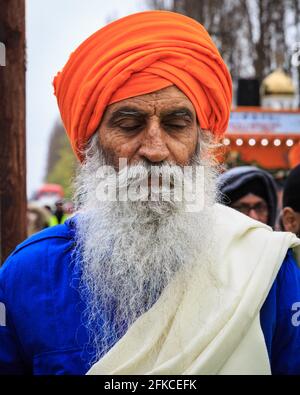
(62,163)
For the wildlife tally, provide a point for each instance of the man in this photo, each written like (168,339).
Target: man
(251,191)
(290,216)
(145,280)
(37,218)
(59,216)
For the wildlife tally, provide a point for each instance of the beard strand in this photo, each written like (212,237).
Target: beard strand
(130,251)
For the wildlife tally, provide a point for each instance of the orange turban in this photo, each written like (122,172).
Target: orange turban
(140,54)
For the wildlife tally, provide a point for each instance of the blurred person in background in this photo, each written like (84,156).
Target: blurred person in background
(38,218)
(68,208)
(59,216)
(251,191)
(290,214)
(147,286)
(48,208)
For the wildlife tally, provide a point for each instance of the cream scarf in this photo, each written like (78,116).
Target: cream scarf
(210,325)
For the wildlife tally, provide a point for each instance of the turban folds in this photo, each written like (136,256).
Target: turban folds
(140,54)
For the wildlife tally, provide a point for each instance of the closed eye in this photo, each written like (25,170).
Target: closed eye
(134,128)
(131,127)
(179,125)
(175,125)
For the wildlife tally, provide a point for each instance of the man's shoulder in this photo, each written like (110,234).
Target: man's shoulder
(233,227)
(280,318)
(288,276)
(43,249)
(232,218)
(50,234)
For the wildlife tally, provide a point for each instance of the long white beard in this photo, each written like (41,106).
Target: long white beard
(130,250)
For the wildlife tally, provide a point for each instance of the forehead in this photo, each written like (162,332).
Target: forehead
(251,199)
(162,100)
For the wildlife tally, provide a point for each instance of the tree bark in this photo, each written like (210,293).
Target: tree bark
(13,199)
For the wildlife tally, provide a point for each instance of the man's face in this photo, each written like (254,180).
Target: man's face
(156,127)
(132,249)
(254,206)
(291,220)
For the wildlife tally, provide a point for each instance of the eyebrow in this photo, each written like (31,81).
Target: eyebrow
(137,113)
(178,112)
(126,111)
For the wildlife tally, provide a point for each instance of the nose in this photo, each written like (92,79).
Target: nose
(253,214)
(153,147)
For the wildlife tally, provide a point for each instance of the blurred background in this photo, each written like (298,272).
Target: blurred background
(258,39)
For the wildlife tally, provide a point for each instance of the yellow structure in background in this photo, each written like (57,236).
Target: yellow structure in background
(278,91)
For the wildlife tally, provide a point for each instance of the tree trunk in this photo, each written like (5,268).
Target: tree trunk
(13,199)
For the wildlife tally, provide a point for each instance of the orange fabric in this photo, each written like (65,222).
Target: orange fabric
(140,54)
(294,156)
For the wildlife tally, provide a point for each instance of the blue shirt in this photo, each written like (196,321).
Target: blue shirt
(44,332)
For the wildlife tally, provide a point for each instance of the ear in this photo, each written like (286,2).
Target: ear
(289,220)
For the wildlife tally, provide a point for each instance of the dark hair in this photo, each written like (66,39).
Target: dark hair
(291,190)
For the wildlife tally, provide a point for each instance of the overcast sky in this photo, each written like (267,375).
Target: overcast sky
(54,29)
